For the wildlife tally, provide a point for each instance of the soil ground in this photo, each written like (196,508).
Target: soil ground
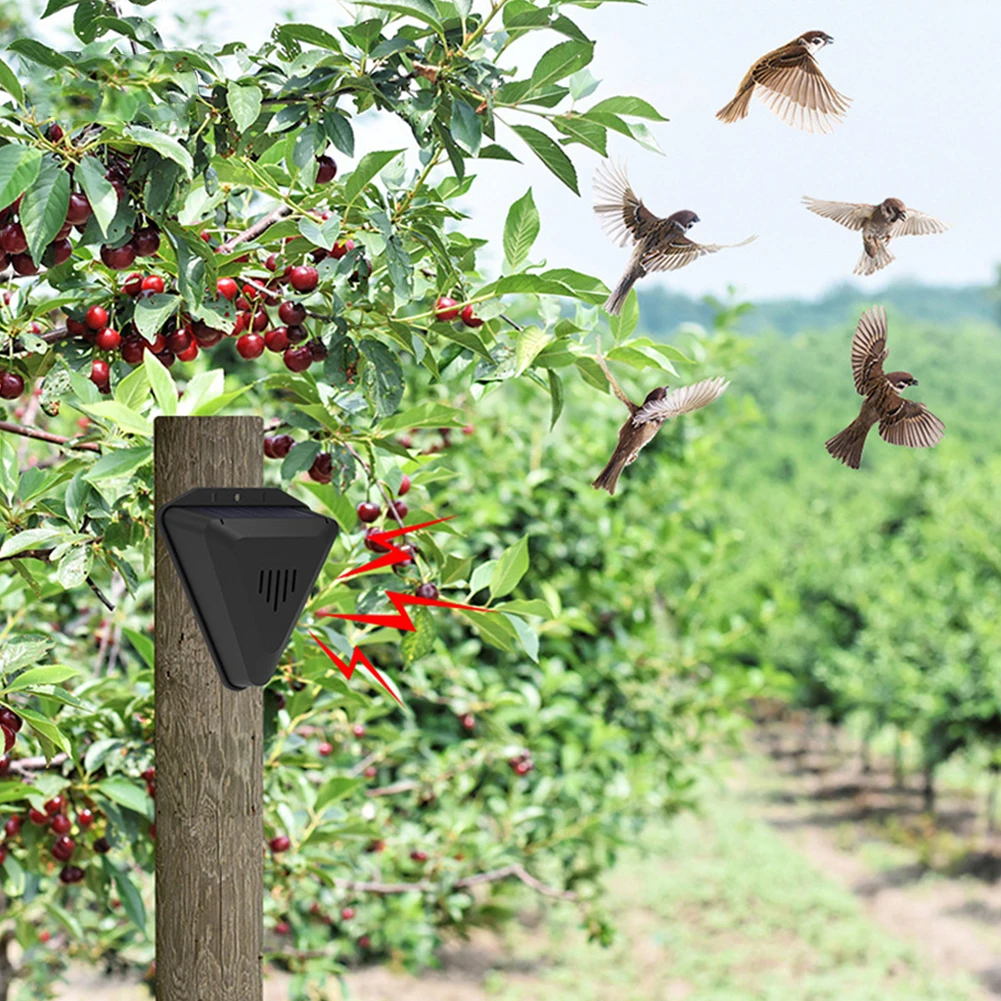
(802,880)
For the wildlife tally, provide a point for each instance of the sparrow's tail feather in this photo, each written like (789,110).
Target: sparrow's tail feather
(737,108)
(847,445)
(617,299)
(608,478)
(869,264)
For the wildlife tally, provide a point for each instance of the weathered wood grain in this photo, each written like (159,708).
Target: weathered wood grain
(209,820)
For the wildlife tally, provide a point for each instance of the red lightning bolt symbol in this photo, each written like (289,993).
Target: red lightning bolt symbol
(400,619)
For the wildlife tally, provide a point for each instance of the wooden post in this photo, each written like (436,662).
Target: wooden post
(209,762)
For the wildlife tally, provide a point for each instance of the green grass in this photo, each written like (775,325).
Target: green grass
(720,908)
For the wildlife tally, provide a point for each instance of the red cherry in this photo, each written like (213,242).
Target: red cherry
(250,346)
(108,339)
(3,854)
(404,486)
(206,235)
(280,843)
(77,327)
(281,445)
(419,856)
(102,846)
(180,340)
(368,512)
(342,249)
(276,340)
(63,848)
(85,817)
(133,349)
(370,772)
(358,730)
(322,469)
(100,373)
(326,169)
(371,544)
(325,750)
(291,312)
(13,827)
(146,242)
(400,507)
(446,309)
(469,317)
(12,238)
(54,132)
(118,258)
(523,767)
(158,344)
(71,874)
(11,387)
(149,774)
(97,317)
(427,590)
(58,252)
(79,210)
(227,288)
(133,284)
(298,359)
(259,322)
(296,333)
(44,935)
(4,764)
(153,283)
(282,927)
(364,942)
(55,805)
(319,253)
(61,824)
(272,262)
(189,354)
(38,817)
(205,335)
(23,264)
(468,429)
(468,721)
(347,913)
(304,278)
(376,846)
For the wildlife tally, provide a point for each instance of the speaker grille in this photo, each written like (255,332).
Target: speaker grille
(275,586)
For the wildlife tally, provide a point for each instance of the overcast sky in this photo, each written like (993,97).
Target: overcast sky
(924,77)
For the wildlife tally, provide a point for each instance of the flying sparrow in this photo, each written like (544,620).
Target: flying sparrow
(901,422)
(789,81)
(879,224)
(645,421)
(658,244)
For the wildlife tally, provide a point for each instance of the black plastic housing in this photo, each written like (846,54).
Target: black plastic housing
(247,559)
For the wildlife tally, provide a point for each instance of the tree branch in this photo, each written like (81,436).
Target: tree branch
(54,439)
(25,766)
(253,232)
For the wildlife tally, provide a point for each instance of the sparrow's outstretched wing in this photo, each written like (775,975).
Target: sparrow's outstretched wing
(850,214)
(916,223)
(616,388)
(869,350)
(680,252)
(791,84)
(912,424)
(622,212)
(682,400)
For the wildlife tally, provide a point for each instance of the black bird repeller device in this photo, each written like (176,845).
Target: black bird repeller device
(247,559)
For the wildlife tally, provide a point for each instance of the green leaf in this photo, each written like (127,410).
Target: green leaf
(8,468)
(121,462)
(520,229)
(549,152)
(44,206)
(51,674)
(581,130)
(203,388)
(422,10)
(481,576)
(368,166)
(151,314)
(162,383)
(420,642)
(494,629)
(559,62)
(132,901)
(102,196)
(16,879)
(126,419)
(165,145)
(383,377)
(39,53)
(321,234)
(48,730)
(244,103)
(526,635)
(74,567)
(19,166)
(530,342)
(17,653)
(311,34)
(523,284)
(582,84)
(556,397)
(337,129)
(143,645)
(495,152)
(634,106)
(626,321)
(196,265)
(299,458)
(32,538)
(428,414)
(466,127)
(511,567)
(12,792)
(10,83)
(125,793)
(336,788)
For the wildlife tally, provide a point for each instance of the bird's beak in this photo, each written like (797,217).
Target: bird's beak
(915,382)
(830,41)
(902,215)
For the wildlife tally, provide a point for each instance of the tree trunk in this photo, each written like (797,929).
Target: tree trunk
(209,761)
(928,793)
(7,971)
